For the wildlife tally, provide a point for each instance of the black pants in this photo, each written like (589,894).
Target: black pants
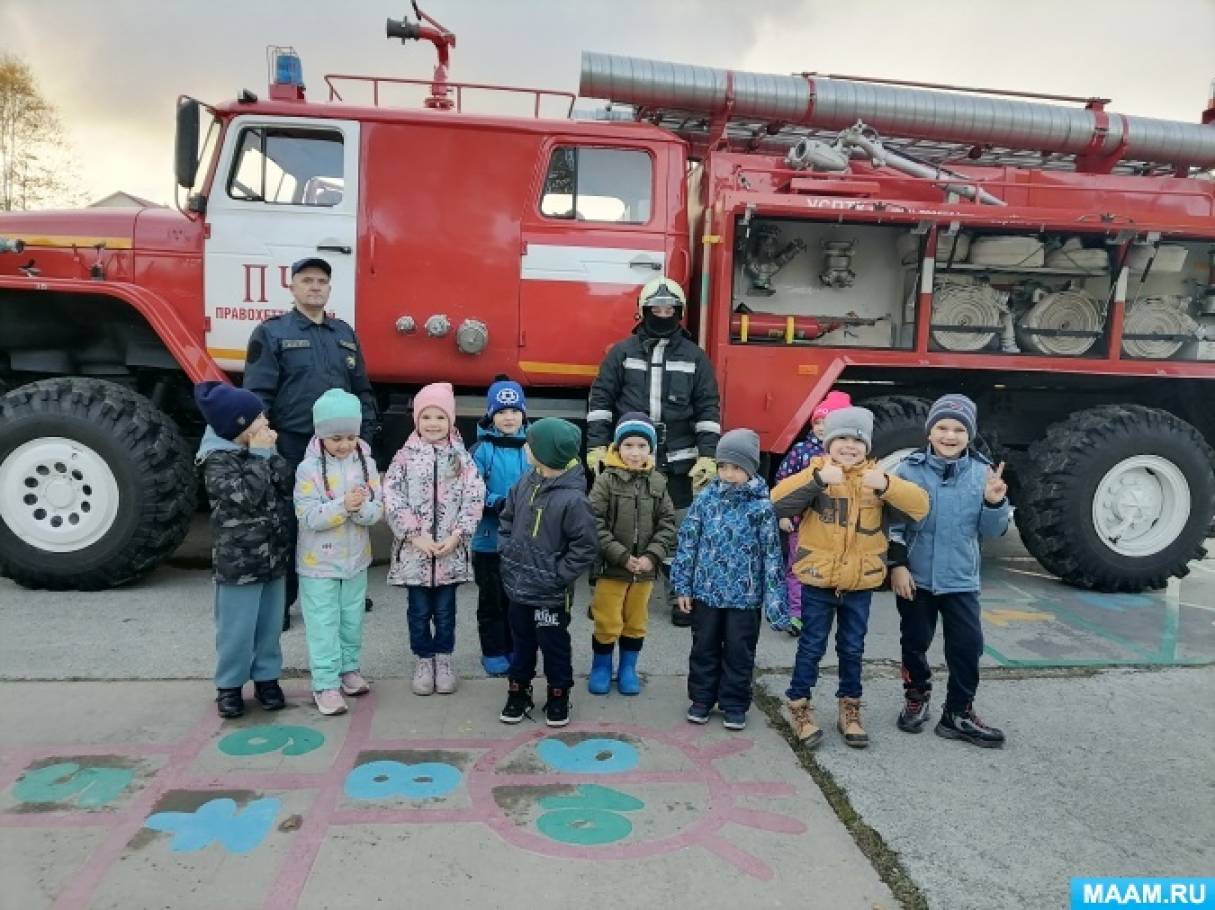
(546,629)
(963,642)
(679,488)
(293,446)
(493,609)
(722,662)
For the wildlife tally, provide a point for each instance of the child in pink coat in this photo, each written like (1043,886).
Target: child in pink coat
(433,498)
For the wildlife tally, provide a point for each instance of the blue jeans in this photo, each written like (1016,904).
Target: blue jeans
(819,608)
(429,606)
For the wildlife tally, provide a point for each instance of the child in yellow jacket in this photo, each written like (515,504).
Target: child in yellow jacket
(841,551)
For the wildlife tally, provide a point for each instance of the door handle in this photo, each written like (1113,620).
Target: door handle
(333,248)
(641,262)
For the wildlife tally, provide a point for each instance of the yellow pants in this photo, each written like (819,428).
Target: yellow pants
(620,608)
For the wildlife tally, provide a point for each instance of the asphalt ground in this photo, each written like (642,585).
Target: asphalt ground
(1107,701)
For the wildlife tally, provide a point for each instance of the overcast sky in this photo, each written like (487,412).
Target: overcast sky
(114,68)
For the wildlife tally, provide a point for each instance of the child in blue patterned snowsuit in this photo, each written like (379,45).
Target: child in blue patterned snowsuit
(727,566)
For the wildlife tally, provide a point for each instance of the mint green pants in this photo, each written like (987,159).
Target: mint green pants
(333,624)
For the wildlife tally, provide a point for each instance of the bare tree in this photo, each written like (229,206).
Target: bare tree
(34,158)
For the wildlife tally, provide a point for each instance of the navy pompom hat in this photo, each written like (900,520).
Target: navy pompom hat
(228,410)
(635,423)
(505,393)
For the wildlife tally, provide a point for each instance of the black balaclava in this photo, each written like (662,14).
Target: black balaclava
(661,327)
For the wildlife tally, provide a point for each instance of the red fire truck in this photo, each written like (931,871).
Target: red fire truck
(1051,258)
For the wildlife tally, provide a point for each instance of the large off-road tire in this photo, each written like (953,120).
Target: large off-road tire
(96,485)
(898,427)
(1118,498)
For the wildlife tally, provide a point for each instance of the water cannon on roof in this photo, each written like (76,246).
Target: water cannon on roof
(440,96)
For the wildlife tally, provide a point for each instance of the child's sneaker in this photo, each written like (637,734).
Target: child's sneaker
(801,718)
(229,702)
(915,710)
(966,725)
(698,713)
(518,703)
(795,627)
(269,695)
(849,723)
(735,720)
(446,680)
(354,684)
(424,676)
(329,702)
(557,708)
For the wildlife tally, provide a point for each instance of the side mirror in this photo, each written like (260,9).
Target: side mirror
(185,152)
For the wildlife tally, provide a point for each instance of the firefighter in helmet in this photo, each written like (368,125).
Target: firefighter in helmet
(660,371)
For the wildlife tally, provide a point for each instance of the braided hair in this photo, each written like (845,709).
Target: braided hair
(362,463)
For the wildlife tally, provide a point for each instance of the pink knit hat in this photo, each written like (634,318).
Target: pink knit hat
(832,402)
(436,395)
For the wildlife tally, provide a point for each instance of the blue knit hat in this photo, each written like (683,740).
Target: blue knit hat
(635,423)
(228,410)
(954,407)
(505,393)
(337,413)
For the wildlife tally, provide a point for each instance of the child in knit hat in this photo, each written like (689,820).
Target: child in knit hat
(433,499)
(548,539)
(249,486)
(337,499)
(498,455)
(935,569)
(796,460)
(636,522)
(842,497)
(727,567)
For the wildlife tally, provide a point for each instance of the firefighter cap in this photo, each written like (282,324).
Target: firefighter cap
(661,291)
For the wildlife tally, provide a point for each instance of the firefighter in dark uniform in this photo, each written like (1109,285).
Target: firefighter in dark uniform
(293,359)
(661,371)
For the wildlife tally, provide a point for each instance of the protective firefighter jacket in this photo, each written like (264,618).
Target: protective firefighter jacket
(433,490)
(332,542)
(250,495)
(669,379)
(547,536)
(634,517)
(840,543)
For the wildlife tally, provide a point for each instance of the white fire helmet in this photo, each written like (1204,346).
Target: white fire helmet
(661,291)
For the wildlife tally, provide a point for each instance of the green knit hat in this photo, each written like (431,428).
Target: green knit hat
(337,413)
(554,442)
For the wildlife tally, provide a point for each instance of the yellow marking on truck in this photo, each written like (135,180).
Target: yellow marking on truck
(807,369)
(1004,617)
(227,353)
(560,369)
(111,243)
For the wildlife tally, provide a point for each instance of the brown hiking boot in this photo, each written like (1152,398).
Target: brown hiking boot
(801,717)
(850,723)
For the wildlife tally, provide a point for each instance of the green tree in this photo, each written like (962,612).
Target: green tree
(34,155)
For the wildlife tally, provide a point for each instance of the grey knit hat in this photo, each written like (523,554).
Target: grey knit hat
(854,422)
(954,407)
(740,447)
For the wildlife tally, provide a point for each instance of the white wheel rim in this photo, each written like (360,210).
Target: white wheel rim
(57,494)
(1141,505)
(891,461)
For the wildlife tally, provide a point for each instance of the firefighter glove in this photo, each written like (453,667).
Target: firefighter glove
(702,472)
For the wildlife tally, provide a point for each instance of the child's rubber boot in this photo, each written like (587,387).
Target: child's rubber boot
(627,682)
(600,680)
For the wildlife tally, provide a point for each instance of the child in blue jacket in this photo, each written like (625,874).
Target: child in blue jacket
(727,566)
(935,569)
(500,460)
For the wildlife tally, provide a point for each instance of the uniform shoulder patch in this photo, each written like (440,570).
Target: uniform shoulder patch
(349,345)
